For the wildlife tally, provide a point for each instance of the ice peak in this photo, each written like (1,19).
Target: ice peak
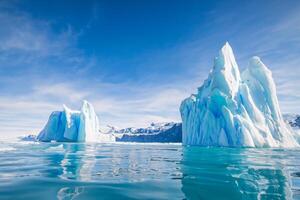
(226,48)
(86,105)
(226,74)
(225,59)
(255,59)
(225,51)
(255,62)
(65,107)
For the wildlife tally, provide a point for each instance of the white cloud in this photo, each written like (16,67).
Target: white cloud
(61,91)
(23,33)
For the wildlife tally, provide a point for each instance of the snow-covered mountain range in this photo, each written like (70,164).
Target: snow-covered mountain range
(152,129)
(156,132)
(293,120)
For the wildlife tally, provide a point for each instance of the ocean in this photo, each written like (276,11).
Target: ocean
(30,170)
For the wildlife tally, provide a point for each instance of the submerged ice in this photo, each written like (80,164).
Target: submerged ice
(71,126)
(235,109)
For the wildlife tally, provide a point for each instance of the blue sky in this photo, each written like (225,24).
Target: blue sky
(134,60)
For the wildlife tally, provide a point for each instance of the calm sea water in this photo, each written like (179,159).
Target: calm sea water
(146,171)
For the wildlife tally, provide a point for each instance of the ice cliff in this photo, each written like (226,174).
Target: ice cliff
(235,109)
(72,126)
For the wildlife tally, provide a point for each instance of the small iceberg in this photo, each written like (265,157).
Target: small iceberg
(235,109)
(73,126)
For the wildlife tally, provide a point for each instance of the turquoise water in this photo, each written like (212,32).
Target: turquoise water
(146,171)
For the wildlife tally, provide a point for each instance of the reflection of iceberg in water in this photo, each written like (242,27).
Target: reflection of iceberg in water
(69,192)
(216,173)
(76,162)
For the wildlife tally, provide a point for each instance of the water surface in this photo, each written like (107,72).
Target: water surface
(146,171)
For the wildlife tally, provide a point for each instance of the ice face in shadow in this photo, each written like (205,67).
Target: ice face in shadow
(233,109)
(71,126)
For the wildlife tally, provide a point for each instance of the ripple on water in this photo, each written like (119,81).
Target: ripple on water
(159,171)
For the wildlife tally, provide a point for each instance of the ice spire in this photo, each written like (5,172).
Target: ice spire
(225,74)
(89,122)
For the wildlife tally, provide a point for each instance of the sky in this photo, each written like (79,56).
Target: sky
(134,60)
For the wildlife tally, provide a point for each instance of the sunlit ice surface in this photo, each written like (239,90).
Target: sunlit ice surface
(31,170)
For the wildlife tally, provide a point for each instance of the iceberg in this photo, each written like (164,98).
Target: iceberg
(71,126)
(235,109)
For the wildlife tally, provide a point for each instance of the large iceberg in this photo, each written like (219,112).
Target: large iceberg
(71,126)
(233,109)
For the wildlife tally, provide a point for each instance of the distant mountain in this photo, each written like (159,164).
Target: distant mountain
(293,120)
(156,132)
(32,138)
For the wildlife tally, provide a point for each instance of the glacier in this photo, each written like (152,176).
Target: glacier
(72,125)
(235,109)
